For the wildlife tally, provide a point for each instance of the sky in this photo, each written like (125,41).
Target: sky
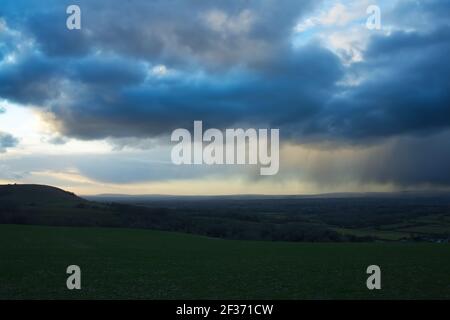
(358,109)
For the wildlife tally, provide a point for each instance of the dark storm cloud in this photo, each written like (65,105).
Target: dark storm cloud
(33,80)
(424,14)
(48,28)
(39,80)
(407,90)
(229,62)
(107,71)
(233,63)
(212,33)
(156,106)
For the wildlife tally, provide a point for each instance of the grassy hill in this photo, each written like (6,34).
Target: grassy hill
(46,205)
(36,195)
(144,264)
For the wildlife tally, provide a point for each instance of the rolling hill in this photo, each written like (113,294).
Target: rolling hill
(46,205)
(36,195)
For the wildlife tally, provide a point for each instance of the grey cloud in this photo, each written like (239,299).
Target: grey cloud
(405,90)
(232,64)
(116,168)
(168,31)
(420,161)
(7,141)
(406,162)
(114,99)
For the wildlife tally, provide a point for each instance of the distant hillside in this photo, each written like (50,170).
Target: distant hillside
(40,204)
(44,205)
(34,194)
(143,198)
(401,217)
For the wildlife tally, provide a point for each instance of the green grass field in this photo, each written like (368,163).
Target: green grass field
(142,264)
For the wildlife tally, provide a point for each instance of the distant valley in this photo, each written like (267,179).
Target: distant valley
(406,216)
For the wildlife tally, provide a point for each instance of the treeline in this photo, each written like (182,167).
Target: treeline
(231,226)
(239,226)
